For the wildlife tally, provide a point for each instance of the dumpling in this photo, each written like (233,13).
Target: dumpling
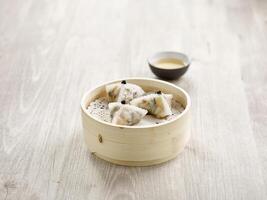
(114,107)
(113,91)
(157,104)
(168,97)
(124,114)
(123,91)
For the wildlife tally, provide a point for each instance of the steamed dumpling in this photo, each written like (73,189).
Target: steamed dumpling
(158,104)
(114,107)
(113,91)
(123,114)
(168,97)
(123,91)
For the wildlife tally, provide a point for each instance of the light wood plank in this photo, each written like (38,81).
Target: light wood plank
(254,75)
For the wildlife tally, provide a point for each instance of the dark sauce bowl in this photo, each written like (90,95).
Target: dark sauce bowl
(168,74)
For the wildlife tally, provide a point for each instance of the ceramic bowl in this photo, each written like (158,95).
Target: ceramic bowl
(168,74)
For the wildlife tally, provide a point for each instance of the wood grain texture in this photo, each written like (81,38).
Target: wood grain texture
(51,52)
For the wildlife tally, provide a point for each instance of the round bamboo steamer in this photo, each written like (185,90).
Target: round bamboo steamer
(137,146)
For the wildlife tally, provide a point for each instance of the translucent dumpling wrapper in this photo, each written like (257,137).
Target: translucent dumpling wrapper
(158,105)
(118,92)
(168,97)
(124,114)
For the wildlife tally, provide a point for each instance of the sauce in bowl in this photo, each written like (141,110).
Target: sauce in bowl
(169,63)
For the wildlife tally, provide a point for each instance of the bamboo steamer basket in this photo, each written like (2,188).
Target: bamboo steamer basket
(137,146)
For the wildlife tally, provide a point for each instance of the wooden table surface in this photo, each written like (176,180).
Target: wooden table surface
(52,51)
